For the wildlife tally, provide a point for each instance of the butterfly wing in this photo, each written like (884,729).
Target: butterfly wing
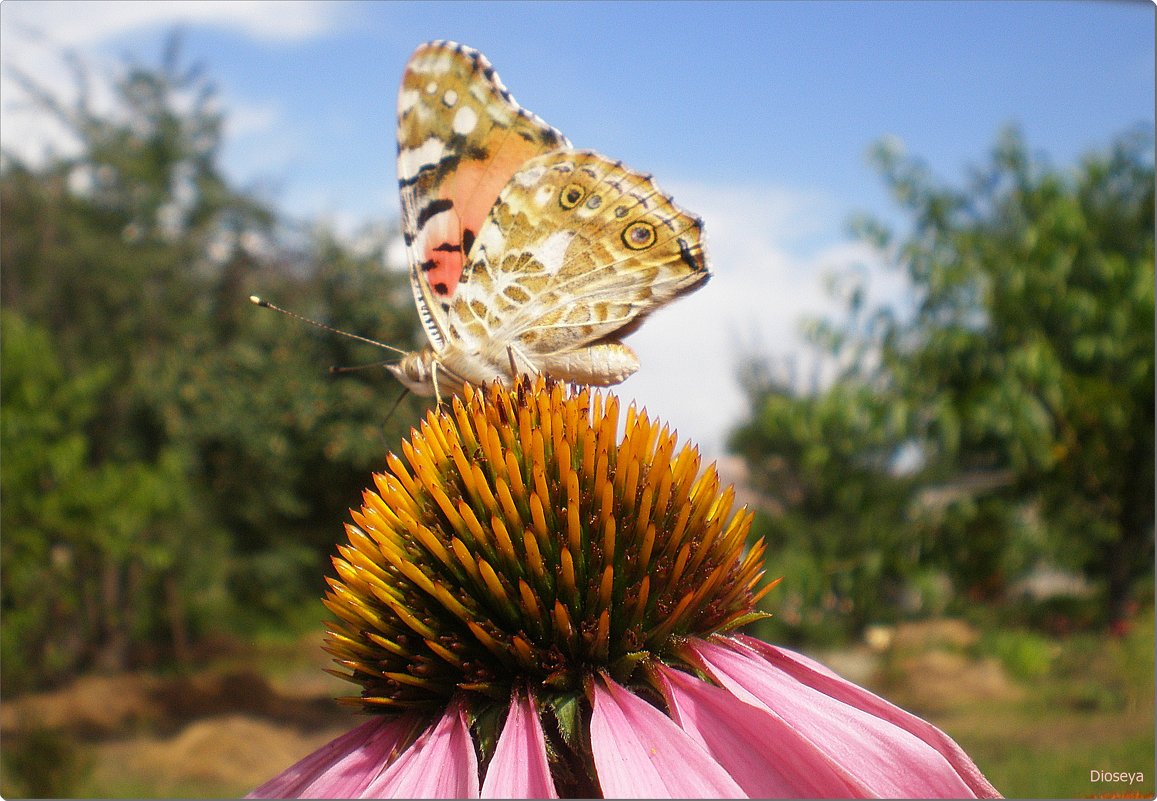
(461,136)
(577,251)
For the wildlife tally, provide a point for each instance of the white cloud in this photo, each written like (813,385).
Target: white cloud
(34,34)
(766,281)
(262,149)
(252,119)
(75,24)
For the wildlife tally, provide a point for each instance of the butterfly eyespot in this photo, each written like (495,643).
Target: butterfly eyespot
(639,235)
(621,212)
(594,202)
(570,196)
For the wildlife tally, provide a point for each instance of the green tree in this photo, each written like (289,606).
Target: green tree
(213,456)
(85,542)
(1021,374)
(106,251)
(834,510)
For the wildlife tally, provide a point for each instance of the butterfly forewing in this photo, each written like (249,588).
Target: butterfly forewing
(461,137)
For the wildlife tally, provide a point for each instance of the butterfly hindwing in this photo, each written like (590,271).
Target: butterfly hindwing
(461,137)
(577,249)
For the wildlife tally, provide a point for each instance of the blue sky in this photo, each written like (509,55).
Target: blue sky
(756,115)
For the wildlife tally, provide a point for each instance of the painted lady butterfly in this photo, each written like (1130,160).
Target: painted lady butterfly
(525,255)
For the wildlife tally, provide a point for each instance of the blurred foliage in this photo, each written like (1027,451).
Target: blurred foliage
(42,763)
(1025,655)
(171,452)
(998,419)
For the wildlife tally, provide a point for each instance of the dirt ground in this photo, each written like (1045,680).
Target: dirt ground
(224,731)
(220,732)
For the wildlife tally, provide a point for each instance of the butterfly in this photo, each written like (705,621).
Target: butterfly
(526,255)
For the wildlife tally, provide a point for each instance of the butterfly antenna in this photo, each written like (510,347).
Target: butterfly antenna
(335,369)
(256,301)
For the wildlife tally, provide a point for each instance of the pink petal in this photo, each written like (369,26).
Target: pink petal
(888,760)
(784,765)
(821,678)
(341,768)
(441,763)
(640,753)
(520,768)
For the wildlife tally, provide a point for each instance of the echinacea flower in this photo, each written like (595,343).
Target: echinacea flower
(534,608)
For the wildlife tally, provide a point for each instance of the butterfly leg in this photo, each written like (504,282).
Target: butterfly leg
(434,381)
(513,368)
(515,355)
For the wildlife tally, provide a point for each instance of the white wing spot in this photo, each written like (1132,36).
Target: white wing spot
(490,238)
(442,63)
(551,252)
(431,87)
(544,194)
(429,152)
(529,177)
(464,120)
(406,100)
(450,98)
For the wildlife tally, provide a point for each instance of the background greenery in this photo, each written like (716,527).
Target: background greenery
(173,457)
(998,424)
(176,463)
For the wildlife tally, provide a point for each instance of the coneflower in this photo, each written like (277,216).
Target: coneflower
(536,608)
